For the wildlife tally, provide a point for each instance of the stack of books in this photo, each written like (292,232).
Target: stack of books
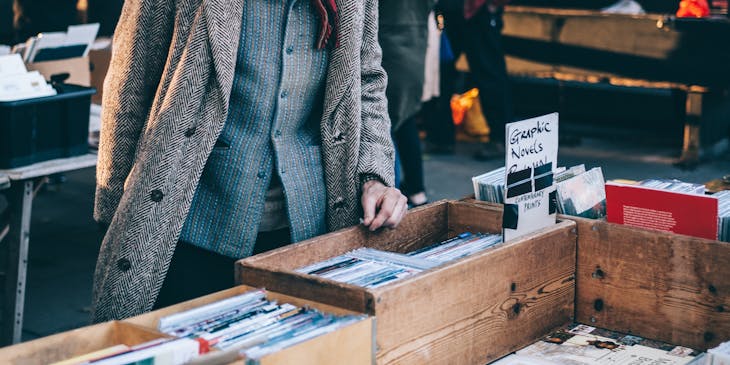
(489,187)
(371,268)
(674,185)
(251,326)
(367,268)
(723,198)
(581,193)
(246,326)
(463,245)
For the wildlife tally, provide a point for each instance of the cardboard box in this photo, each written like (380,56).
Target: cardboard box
(470,311)
(352,344)
(76,343)
(77,68)
(99,60)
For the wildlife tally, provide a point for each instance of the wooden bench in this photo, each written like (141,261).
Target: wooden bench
(651,51)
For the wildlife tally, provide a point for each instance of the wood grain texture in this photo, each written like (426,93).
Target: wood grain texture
(75,343)
(653,284)
(465,312)
(152,319)
(350,345)
(482,308)
(419,228)
(354,342)
(461,217)
(309,287)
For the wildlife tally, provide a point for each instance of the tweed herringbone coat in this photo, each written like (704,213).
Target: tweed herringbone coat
(166,100)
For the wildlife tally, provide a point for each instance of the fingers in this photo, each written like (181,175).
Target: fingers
(370,200)
(398,213)
(390,211)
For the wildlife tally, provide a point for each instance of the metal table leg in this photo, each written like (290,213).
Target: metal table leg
(15,261)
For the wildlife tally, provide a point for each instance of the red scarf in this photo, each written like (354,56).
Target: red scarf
(471,7)
(329,19)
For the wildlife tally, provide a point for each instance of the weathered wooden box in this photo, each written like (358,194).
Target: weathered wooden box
(470,311)
(76,343)
(352,344)
(653,284)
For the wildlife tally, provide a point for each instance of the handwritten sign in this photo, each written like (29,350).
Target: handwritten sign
(531,154)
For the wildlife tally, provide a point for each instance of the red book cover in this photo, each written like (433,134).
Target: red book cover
(681,213)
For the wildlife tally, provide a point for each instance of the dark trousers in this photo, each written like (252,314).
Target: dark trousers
(408,143)
(195,272)
(436,113)
(481,39)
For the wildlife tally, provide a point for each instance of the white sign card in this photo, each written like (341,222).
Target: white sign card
(531,149)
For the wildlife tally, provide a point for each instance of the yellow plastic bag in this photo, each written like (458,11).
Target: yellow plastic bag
(466,111)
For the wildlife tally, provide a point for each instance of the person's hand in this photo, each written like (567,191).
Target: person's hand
(382,206)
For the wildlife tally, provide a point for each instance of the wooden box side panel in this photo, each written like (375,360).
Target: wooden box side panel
(420,227)
(74,343)
(653,284)
(483,308)
(307,287)
(474,217)
(152,319)
(350,345)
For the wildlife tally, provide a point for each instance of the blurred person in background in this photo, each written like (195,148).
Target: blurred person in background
(404,38)
(475,28)
(436,113)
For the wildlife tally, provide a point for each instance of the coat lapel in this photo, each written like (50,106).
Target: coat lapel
(341,58)
(223,18)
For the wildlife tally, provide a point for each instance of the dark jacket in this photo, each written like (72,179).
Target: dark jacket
(404,37)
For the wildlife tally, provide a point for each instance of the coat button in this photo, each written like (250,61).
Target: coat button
(190,132)
(124,264)
(156,196)
(338,137)
(339,203)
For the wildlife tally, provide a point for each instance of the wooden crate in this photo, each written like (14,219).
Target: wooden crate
(650,283)
(653,284)
(470,311)
(353,344)
(76,343)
